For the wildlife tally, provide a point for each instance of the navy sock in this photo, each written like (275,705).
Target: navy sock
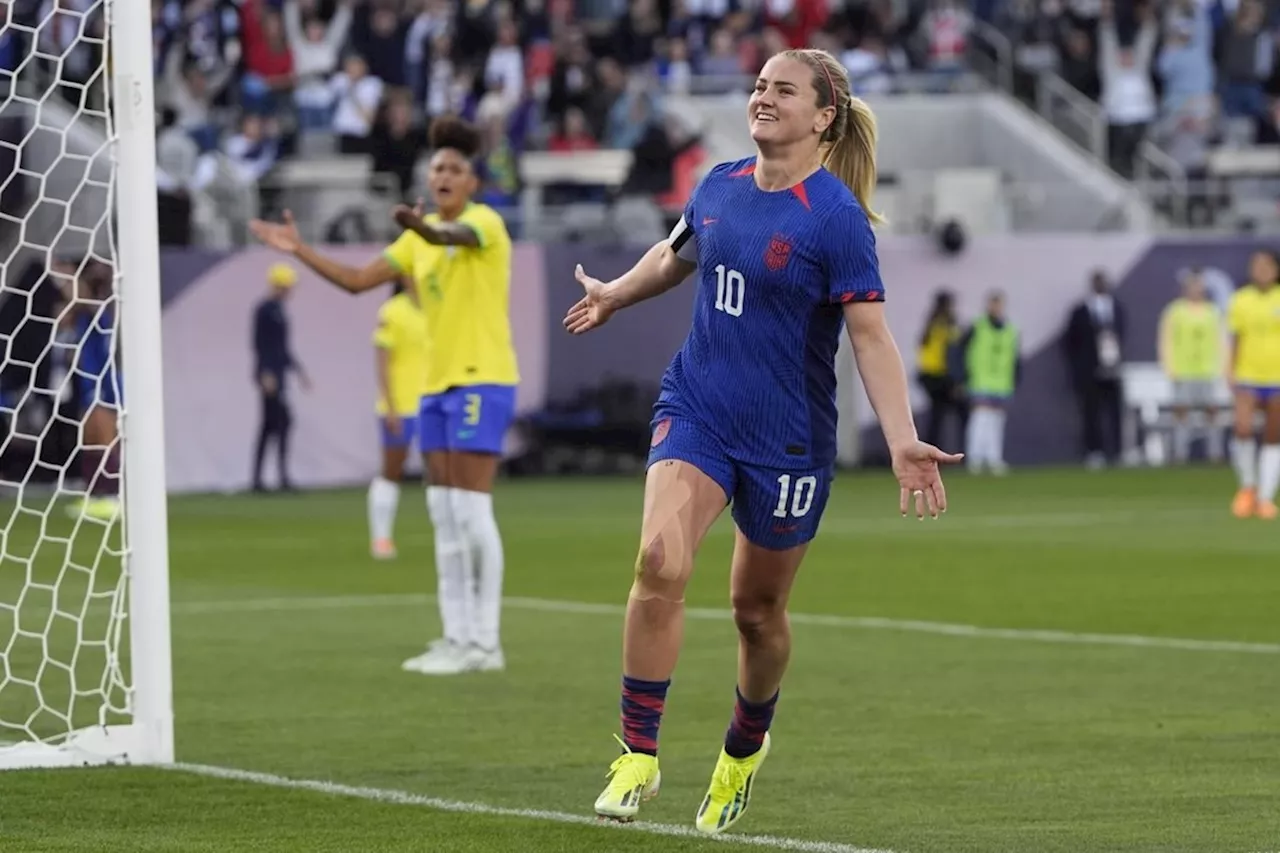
(751,721)
(642,704)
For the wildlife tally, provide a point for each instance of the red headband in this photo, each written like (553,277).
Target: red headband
(830,83)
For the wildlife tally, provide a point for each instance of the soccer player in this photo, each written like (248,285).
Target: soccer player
(91,315)
(460,261)
(1254,372)
(991,369)
(786,256)
(400,344)
(1190,346)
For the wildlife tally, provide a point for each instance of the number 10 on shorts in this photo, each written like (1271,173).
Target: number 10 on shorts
(797,502)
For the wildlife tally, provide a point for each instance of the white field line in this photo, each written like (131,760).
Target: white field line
(407,798)
(872,623)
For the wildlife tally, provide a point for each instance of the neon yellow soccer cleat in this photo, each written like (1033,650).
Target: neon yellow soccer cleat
(730,792)
(633,779)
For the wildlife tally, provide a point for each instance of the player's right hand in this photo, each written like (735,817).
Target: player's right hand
(592,310)
(281,236)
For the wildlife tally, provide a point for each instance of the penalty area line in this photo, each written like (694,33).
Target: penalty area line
(709,614)
(407,798)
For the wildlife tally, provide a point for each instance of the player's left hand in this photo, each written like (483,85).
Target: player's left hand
(916,467)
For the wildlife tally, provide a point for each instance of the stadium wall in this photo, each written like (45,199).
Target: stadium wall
(211,404)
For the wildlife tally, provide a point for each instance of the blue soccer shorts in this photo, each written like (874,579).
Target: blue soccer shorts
(399,441)
(774,508)
(466,418)
(1261,393)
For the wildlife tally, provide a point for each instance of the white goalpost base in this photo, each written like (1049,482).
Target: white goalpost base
(83,684)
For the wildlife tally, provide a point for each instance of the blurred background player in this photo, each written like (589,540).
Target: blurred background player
(992,369)
(1191,353)
(1094,347)
(400,346)
(90,313)
(938,340)
(460,261)
(787,255)
(273,361)
(1254,320)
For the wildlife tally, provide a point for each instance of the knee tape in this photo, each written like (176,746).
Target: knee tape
(665,561)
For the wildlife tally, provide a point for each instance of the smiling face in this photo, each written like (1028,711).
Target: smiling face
(783,109)
(452,182)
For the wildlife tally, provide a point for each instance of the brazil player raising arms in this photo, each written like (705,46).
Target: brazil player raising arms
(1254,372)
(785,254)
(400,344)
(460,261)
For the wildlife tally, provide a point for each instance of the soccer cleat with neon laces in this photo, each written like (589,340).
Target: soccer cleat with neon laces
(730,792)
(634,778)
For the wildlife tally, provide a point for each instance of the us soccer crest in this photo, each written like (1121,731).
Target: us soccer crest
(778,253)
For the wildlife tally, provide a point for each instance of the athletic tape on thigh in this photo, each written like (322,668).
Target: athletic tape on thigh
(674,562)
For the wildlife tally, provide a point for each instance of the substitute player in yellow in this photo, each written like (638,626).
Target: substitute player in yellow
(1254,371)
(1191,353)
(400,345)
(460,261)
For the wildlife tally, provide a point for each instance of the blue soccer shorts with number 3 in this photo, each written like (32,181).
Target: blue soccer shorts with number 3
(775,509)
(466,418)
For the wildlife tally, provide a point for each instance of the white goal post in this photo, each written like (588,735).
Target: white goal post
(85,668)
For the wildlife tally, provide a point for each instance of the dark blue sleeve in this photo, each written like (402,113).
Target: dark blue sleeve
(849,250)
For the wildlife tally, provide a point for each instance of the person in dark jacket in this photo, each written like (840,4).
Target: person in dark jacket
(1093,345)
(273,361)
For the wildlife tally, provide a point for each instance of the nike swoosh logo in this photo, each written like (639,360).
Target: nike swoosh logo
(709,221)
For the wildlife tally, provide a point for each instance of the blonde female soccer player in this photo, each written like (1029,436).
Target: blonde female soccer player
(1254,319)
(400,345)
(460,261)
(786,257)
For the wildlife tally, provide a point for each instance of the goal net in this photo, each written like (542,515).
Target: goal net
(84,623)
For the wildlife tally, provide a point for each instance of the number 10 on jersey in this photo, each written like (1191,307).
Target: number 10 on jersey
(730,287)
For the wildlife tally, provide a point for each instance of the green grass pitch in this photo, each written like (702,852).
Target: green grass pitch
(892,735)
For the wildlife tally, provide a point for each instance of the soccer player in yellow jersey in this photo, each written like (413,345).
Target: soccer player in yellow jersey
(400,343)
(1254,320)
(1191,353)
(460,261)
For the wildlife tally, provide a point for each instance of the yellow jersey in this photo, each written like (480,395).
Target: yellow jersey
(465,293)
(1191,340)
(402,332)
(1254,318)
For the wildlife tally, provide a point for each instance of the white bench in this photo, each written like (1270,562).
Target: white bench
(1147,419)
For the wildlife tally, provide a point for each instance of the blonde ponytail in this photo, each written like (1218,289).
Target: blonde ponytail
(851,156)
(850,140)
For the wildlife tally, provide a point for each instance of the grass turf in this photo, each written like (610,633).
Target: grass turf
(910,742)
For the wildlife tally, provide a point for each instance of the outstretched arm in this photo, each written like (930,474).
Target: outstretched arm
(883,375)
(437,233)
(663,267)
(284,237)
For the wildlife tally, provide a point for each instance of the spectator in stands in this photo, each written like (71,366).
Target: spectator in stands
(635,39)
(1093,344)
(607,92)
(1128,96)
(573,134)
(798,20)
(945,28)
(870,65)
(254,150)
(191,92)
(1078,65)
(1185,64)
(446,87)
(396,143)
(940,369)
(1245,57)
(498,168)
(380,35)
(573,78)
(316,48)
(268,64)
(504,68)
(356,94)
(722,60)
(675,70)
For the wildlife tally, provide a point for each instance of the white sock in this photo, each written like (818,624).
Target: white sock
(384,498)
(480,530)
(1268,472)
(995,441)
(1244,455)
(454,589)
(973,438)
(1213,439)
(1181,440)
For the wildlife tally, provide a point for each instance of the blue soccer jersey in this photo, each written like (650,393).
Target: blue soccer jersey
(758,368)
